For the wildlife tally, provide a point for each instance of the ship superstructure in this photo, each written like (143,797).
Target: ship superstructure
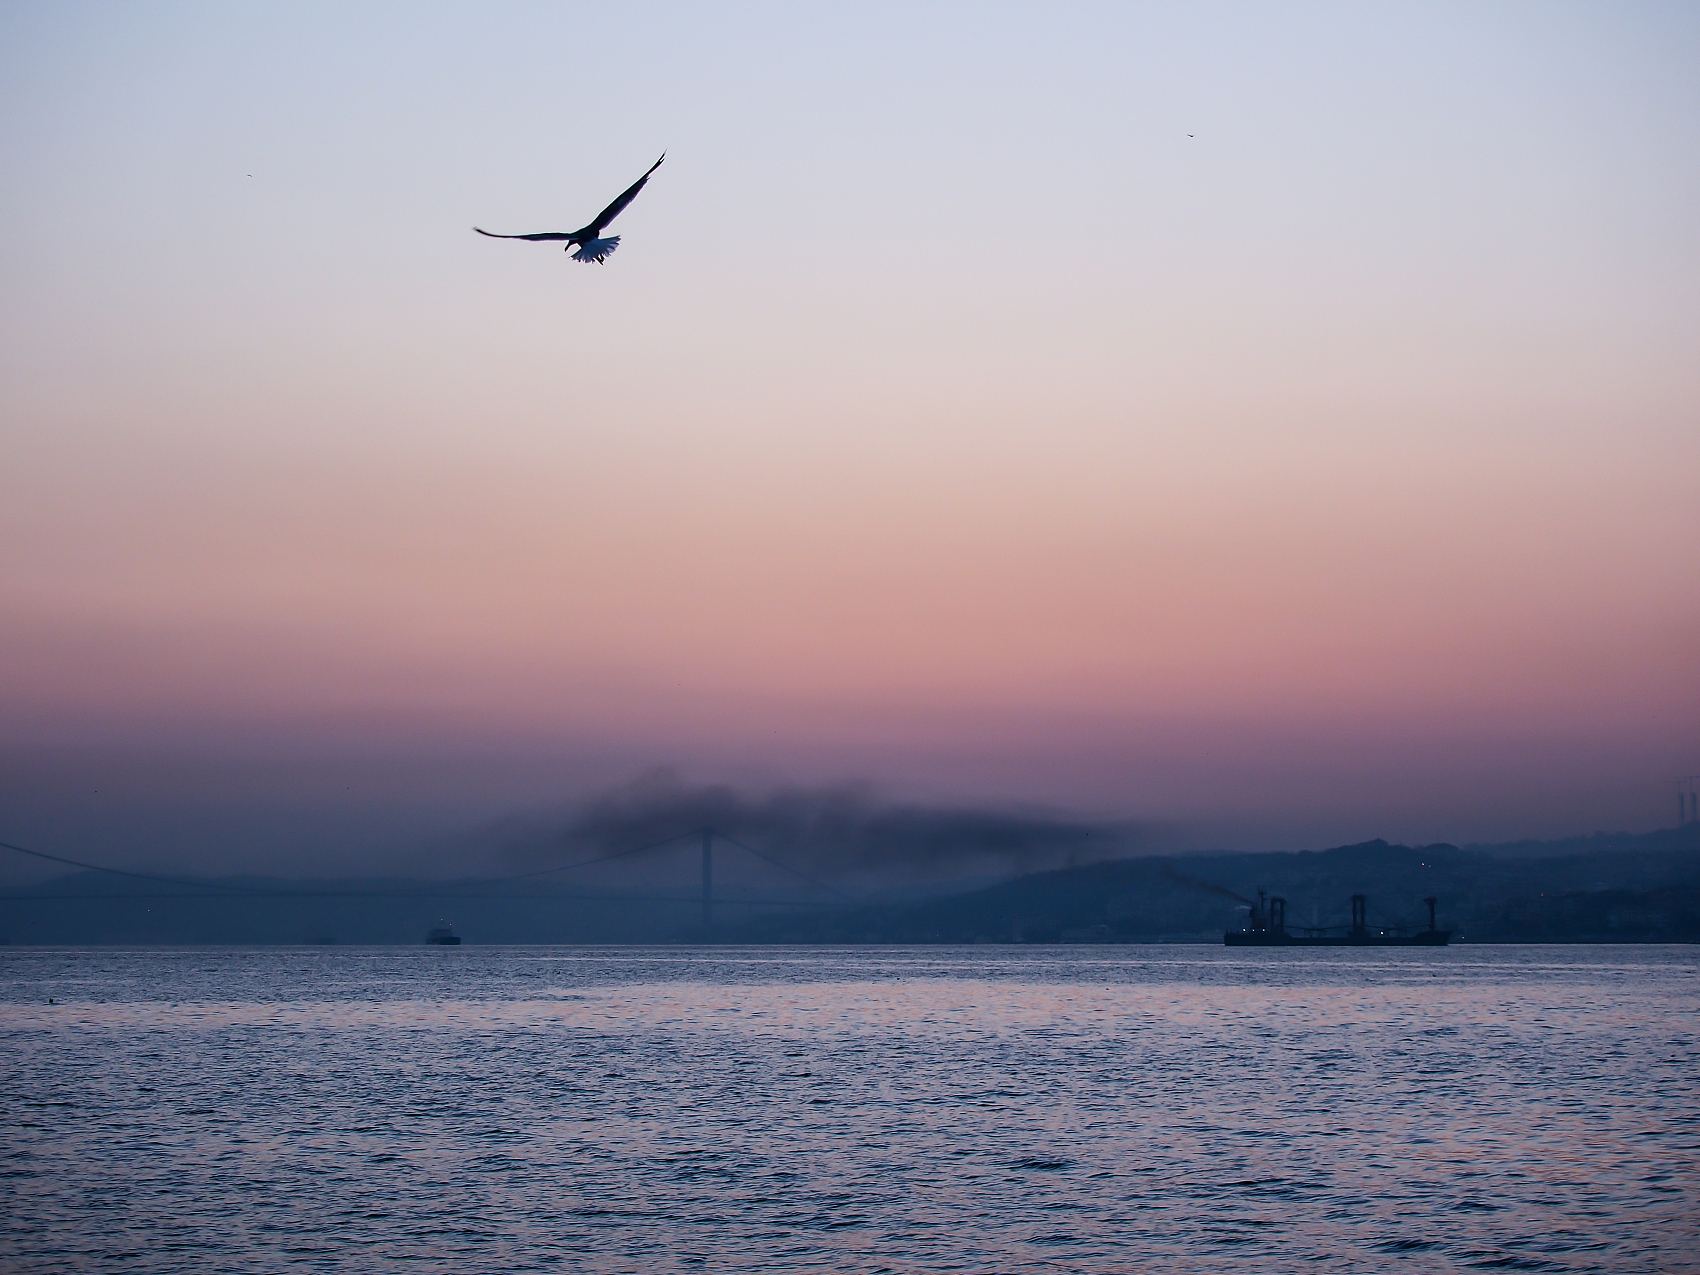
(1266,926)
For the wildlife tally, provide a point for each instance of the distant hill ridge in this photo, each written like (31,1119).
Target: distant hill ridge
(1613,887)
(1604,888)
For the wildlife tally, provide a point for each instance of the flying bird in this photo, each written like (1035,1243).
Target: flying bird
(590,246)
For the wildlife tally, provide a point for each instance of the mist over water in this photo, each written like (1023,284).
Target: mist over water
(677,1109)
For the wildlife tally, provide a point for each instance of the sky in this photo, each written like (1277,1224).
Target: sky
(1277,424)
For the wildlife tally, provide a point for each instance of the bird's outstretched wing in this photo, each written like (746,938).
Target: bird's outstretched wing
(614,209)
(549,234)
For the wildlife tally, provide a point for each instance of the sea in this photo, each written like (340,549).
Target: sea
(873,1109)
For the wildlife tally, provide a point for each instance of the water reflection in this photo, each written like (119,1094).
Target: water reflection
(877,1109)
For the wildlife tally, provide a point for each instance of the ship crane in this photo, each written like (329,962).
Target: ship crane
(1267,927)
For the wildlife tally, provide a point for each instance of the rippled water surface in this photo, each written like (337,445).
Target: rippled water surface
(932,1109)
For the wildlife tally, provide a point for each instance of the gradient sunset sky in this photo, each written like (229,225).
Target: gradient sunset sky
(1279,422)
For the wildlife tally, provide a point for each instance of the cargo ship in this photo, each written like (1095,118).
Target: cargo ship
(443,935)
(1266,926)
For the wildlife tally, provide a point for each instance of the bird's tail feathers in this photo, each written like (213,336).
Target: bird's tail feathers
(598,250)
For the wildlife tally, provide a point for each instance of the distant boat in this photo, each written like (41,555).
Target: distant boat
(443,935)
(1267,927)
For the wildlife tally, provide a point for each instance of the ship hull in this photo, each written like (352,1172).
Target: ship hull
(1251,938)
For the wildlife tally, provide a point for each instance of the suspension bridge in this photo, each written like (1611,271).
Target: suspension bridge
(707,841)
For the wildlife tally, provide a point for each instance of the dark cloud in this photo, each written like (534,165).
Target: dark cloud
(848,833)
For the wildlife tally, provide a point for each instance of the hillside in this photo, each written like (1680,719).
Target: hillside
(1610,889)
(1616,888)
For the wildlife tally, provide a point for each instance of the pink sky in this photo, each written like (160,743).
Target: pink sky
(957,422)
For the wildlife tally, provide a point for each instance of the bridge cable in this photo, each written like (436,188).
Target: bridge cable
(582,863)
(140,876)
(815,881)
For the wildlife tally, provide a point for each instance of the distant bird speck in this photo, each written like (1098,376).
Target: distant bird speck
(590,247)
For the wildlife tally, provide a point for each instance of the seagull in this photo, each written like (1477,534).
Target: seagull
(590,247)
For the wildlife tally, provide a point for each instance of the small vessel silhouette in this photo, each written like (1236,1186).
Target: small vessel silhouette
(444,935)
